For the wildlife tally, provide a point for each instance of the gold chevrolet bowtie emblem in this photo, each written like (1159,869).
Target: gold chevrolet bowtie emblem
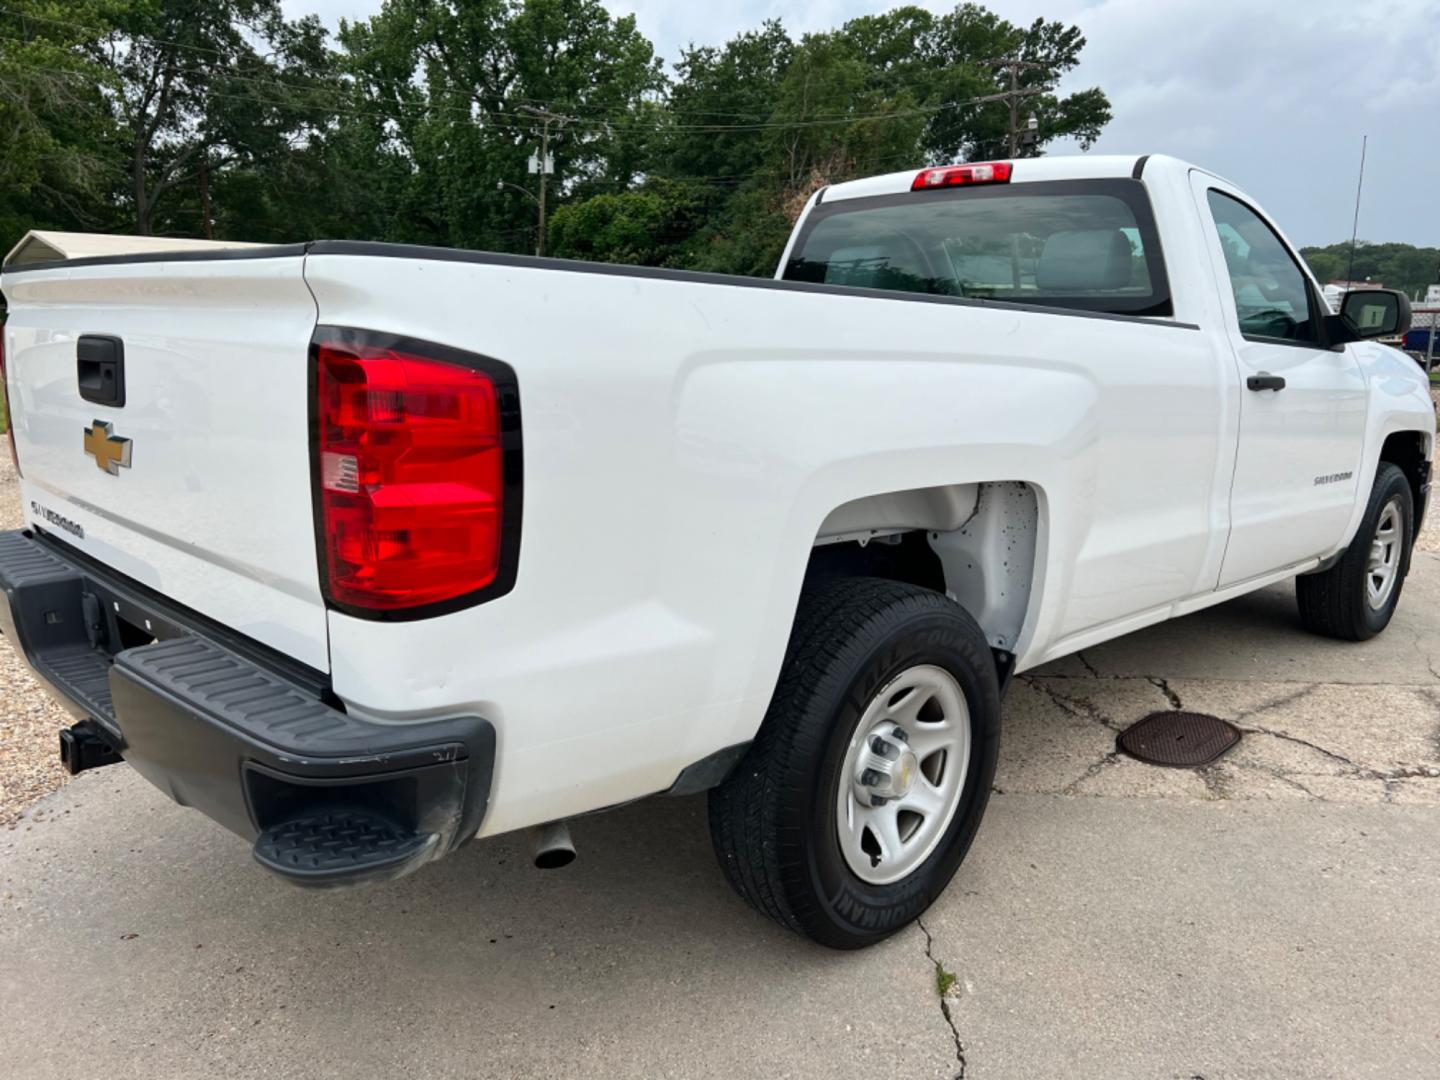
(111,453)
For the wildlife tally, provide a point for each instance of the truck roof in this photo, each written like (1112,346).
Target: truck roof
(1062,167)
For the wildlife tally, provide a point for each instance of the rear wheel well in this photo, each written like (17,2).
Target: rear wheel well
(905,557)
(975,543)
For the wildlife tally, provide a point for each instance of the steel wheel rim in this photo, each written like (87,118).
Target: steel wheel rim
(903,775)
(1382,569)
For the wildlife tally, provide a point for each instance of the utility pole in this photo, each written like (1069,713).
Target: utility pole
(544,165)
(1013,96)
(208,225)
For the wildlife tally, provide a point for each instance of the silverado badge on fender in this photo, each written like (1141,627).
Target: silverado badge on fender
(111,453)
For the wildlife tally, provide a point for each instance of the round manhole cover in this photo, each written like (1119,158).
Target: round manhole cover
(1178,740)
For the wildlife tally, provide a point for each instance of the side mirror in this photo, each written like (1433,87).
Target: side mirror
(1370,313)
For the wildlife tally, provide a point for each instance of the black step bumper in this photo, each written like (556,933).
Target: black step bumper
(245,737)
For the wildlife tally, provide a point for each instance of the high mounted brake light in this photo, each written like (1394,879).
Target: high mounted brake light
(989,172)
(5,399)
(417,459)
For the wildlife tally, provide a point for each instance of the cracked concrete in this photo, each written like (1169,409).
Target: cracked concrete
(1164,687)
(1135,939)
(945,997)
(1267,916)
(1335,740)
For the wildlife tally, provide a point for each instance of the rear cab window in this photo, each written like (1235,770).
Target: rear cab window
(1089,245)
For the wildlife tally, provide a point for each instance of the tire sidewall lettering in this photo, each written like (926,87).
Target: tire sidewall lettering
(852,901)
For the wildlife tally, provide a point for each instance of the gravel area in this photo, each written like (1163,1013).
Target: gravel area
(29,720)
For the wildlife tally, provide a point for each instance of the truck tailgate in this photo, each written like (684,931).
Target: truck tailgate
(198,484)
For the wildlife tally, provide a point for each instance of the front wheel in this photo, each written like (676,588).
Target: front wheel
(867,781)
(1354,599)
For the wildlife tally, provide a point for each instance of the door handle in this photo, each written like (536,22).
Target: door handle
(1265,381)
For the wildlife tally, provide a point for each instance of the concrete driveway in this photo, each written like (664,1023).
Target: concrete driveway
(1275,915)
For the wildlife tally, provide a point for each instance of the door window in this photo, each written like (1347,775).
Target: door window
(1272,296)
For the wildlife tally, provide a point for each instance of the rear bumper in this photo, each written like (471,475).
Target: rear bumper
(248,739)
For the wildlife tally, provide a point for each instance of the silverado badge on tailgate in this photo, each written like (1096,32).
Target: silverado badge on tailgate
(111,453)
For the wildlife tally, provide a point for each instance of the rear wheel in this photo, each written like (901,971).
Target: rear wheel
(1355,599)
(868,779)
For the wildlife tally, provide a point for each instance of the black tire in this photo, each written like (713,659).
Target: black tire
(773,820)
(1335,602)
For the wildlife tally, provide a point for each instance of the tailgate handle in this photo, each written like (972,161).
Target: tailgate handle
(100,369)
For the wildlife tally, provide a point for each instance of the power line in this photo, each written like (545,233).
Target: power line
(736,180)
(487,118)
(129,36)
(596,123)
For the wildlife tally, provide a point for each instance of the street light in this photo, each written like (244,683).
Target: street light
(501,185)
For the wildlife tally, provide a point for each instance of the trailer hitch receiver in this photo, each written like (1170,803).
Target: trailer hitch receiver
(82,748)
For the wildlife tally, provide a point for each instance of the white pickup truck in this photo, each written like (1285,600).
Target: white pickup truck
(367,550)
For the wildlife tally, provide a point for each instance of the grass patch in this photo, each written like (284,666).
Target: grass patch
(944,980)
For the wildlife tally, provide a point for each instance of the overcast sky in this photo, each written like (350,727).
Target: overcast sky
(1274,96)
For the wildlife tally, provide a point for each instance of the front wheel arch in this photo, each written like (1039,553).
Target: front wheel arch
(1339,602)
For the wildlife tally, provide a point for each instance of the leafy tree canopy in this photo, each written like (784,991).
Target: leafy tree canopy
(420,124)
(1396,266)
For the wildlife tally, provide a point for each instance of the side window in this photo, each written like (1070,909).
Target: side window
(1272,298)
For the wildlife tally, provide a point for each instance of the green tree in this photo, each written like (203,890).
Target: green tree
(197,97)
(182,117)
(720,101)
(834,122)
(649,226)
(1405,267)
(54,168)
(948,61)
(763,121)
(465,125)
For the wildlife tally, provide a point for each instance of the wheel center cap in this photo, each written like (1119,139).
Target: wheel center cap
(904,774)
(1377,554)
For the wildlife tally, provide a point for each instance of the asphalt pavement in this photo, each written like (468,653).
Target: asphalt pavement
(1274,915)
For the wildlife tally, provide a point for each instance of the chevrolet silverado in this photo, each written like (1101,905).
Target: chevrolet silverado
(367,550)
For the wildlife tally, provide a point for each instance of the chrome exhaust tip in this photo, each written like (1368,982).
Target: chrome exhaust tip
(553,846)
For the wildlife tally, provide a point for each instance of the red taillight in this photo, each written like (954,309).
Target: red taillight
(412,478)
(989,172)
(5,398)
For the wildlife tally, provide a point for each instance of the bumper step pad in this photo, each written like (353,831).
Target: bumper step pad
(338,845)
(244,735)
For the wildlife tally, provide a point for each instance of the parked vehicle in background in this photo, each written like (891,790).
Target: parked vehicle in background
(1422,340)
(366,550)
